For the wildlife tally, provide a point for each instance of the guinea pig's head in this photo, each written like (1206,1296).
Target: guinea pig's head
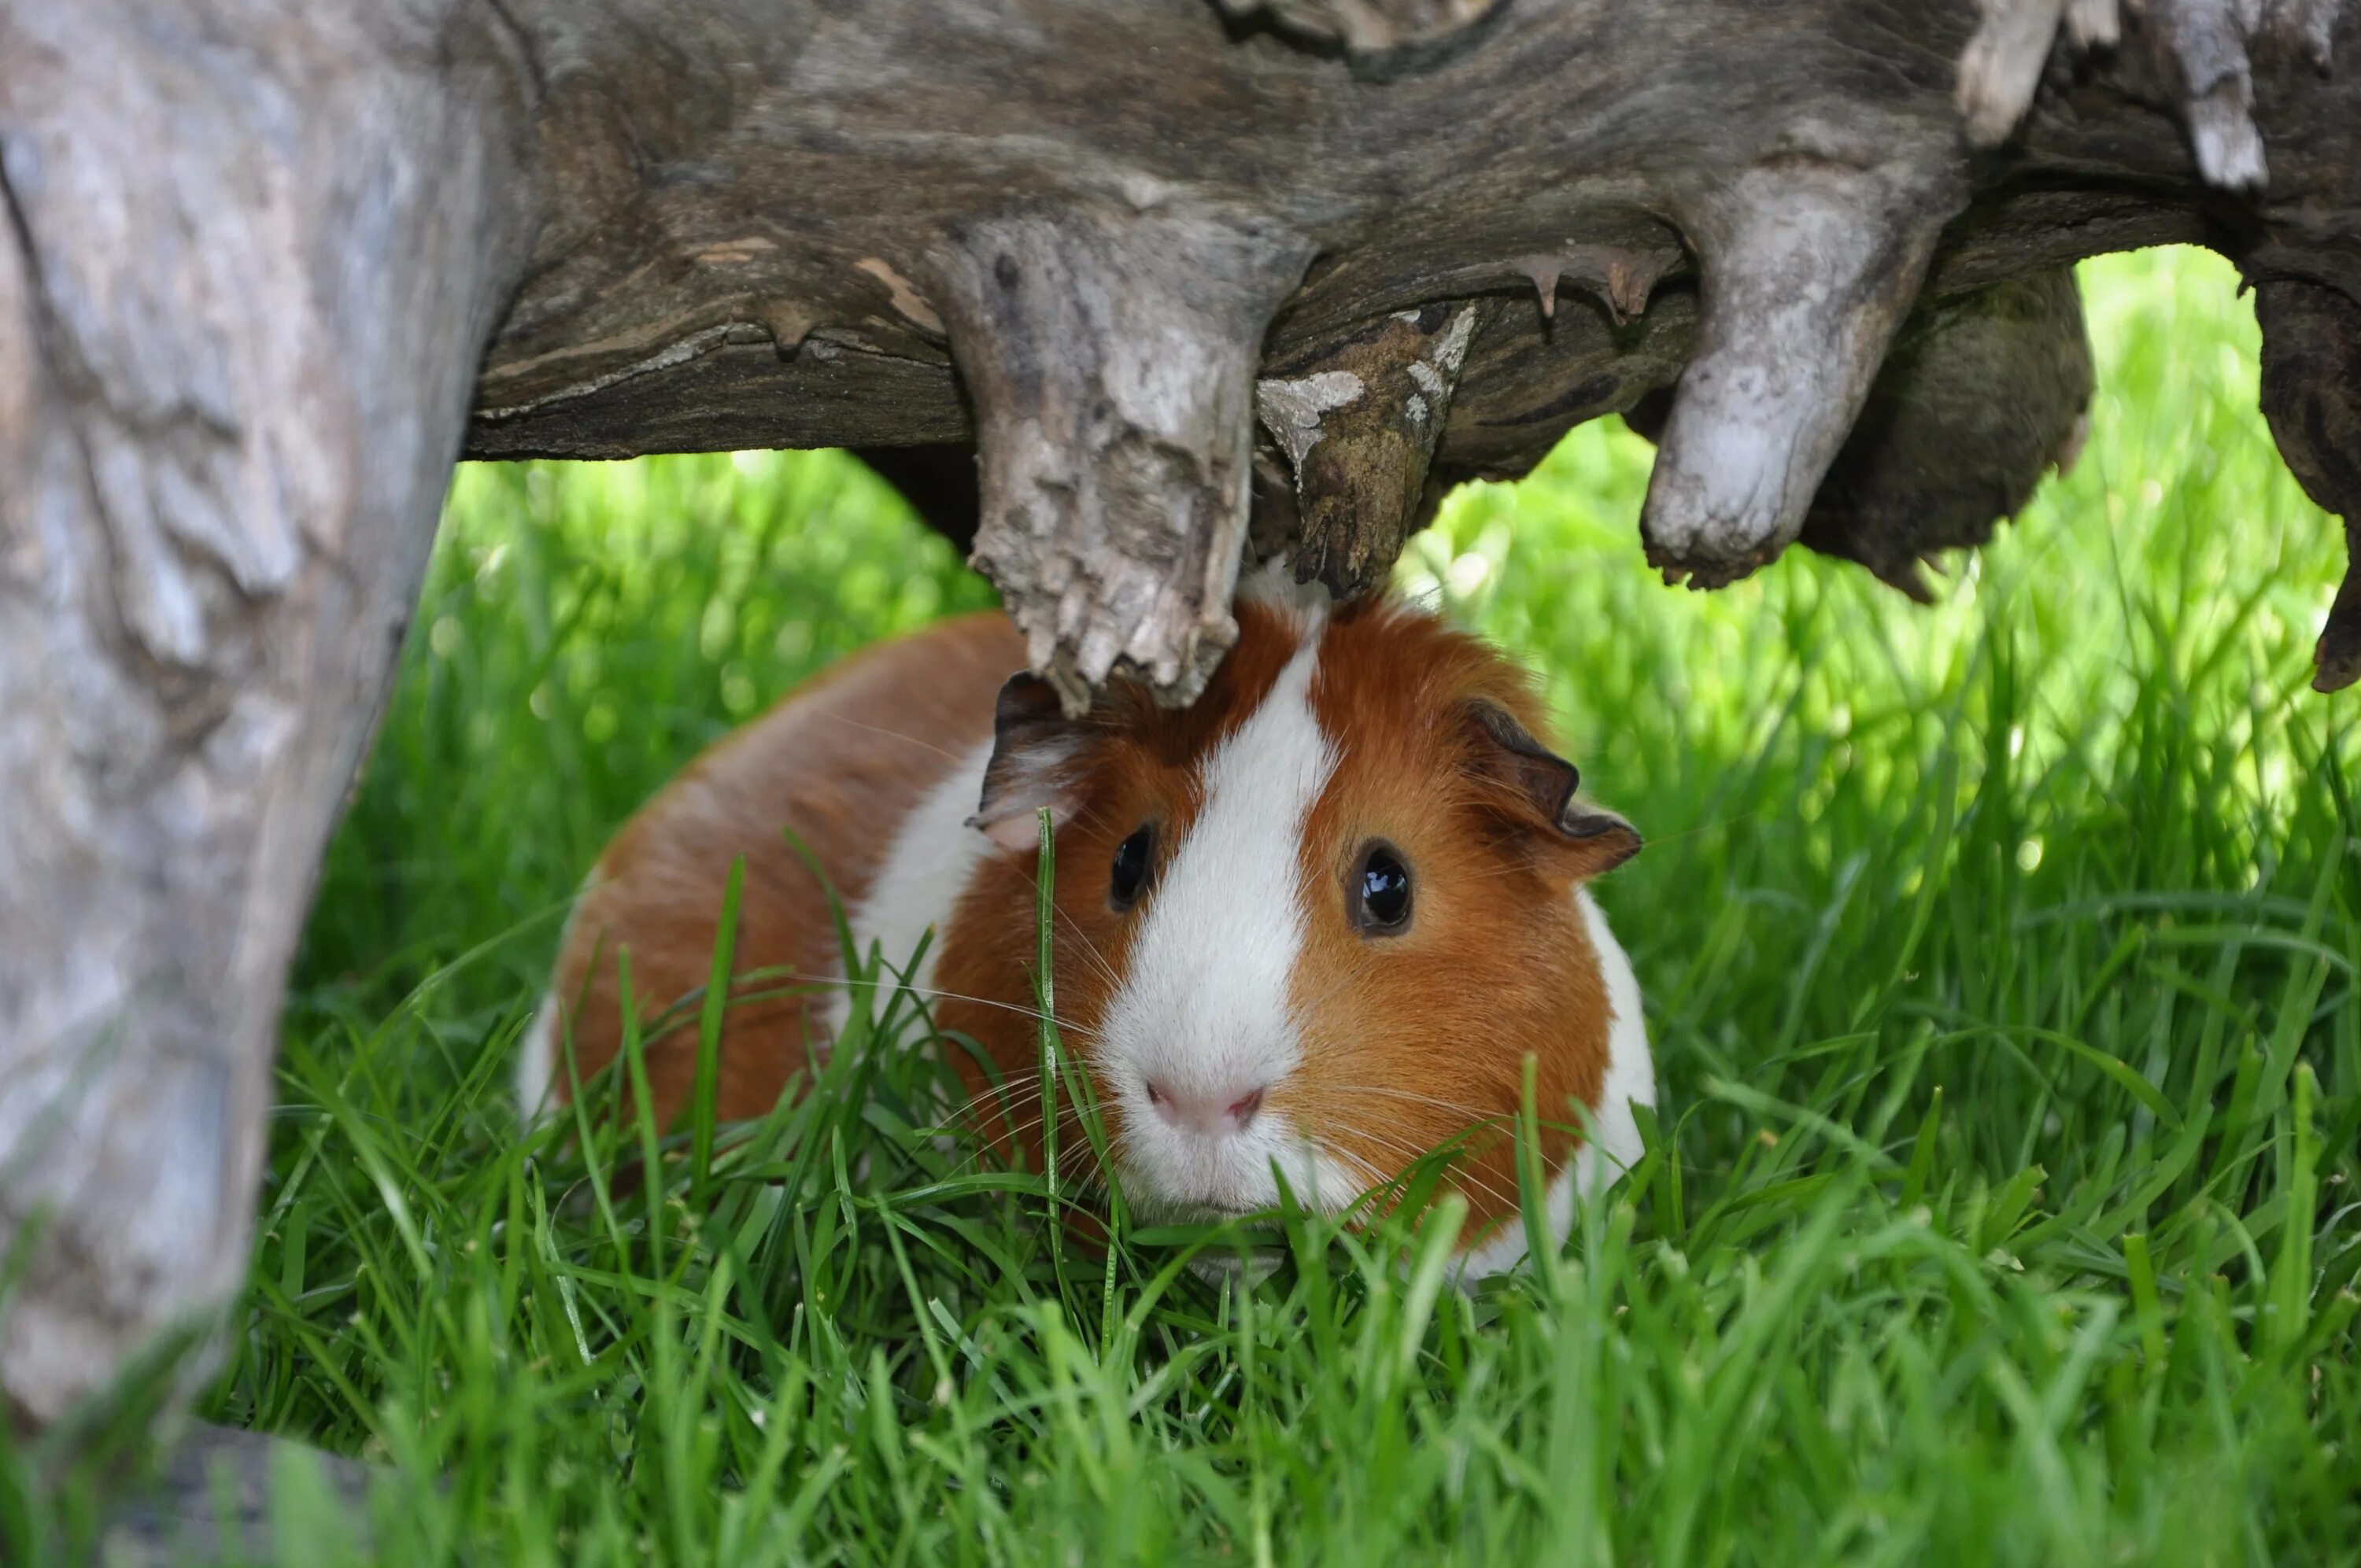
(1315,923)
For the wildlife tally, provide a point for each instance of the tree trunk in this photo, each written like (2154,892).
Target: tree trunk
(1146,258)
(237,339)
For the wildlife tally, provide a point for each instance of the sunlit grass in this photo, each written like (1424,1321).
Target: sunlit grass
(2001,961)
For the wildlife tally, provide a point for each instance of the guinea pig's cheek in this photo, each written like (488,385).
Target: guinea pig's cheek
(1325,1175)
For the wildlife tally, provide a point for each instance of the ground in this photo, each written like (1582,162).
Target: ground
(2001,961)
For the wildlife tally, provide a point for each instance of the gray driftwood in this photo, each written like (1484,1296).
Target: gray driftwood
(268,265)
(252,252)
(211,1502)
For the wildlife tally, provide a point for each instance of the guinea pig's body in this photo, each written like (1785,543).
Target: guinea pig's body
(1316,921)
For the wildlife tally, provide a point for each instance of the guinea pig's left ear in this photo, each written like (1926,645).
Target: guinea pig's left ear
(1541,785)
(1036,761)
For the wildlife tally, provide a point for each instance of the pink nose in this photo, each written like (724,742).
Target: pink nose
(1226,1110)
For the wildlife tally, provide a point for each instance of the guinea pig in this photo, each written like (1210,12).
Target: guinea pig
(1312,924)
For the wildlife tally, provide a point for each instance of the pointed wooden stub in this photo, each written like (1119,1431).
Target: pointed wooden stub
(1979,398)
(1110,356)
(2312,397)
(1359,429)
(2002,65)
(1622,277)
(1809,265)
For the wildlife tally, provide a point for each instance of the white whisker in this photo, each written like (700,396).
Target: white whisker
(1462,1170)
(932,993)
(1453,1107)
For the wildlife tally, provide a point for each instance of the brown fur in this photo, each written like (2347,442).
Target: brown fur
(1411,1040)
(839,761)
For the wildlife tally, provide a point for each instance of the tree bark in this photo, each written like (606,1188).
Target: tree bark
(1752,202)
(2311,396)
(1145,257)
(238,337)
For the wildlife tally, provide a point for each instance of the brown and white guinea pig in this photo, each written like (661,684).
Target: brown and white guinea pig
(1315,921)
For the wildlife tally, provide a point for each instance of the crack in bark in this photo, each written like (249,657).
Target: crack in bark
(520,43)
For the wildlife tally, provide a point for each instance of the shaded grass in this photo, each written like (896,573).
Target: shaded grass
(2001,961)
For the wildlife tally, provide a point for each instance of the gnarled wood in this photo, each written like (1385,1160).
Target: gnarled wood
(1358,427)
(1981,397)
(754,271)
(1111,357)
(1368,26)
(2203,51)
(2311,396)
(1810,261)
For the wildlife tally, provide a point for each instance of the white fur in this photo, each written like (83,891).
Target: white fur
(1273,585)
(1204,1009)
(536,1070)
(1613,1145)
(1630,1070)
(537,1061)
(933,854)
(929,865)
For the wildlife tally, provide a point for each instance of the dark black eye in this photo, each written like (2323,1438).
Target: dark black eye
(1382,892)
(1132,860)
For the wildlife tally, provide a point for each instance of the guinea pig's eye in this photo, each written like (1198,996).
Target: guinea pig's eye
(1132,859)
(1382,892)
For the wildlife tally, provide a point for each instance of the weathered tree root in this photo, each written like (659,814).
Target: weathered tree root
(215,511)
(1748,196)
(1981,397)
(2204,49)
(1809,264)
(1112,357)
(2311,396)
(1359,430)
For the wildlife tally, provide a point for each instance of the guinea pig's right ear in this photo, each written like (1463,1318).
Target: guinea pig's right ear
(1540,784)
(1601,839)
(1036,761)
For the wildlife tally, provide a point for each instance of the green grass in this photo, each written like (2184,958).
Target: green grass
(2001,961)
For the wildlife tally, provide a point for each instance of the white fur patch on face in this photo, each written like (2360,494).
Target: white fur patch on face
(1205,1011)
(933,857)
(1613,1145)
(1273,585)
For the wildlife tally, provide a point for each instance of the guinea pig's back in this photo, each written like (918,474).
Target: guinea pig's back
(875,766)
